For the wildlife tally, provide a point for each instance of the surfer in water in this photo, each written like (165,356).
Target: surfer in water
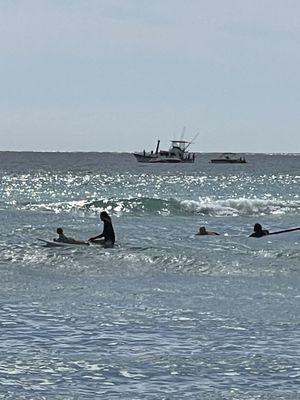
(259,231)
(62,238)
(203,231)
(108,235)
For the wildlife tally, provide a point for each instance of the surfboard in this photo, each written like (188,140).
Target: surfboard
(284,231)
(49,243)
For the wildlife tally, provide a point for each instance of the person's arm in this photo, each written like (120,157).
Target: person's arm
(96,237)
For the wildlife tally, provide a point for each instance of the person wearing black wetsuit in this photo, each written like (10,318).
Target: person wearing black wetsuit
(108,233)
(259,231)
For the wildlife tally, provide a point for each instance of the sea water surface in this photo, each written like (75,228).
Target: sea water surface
(165,314)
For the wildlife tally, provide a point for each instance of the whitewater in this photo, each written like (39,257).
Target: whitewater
(165,314)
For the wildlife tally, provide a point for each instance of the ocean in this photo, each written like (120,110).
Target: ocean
(165,314)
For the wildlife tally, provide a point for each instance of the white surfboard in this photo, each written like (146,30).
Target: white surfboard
(49,243)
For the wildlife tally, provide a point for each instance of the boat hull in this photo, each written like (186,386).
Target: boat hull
(157,158)
(167,160)
(145,158)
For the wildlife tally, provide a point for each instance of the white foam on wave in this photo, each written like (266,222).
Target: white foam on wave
(57,207)
(240,206)
(205,206)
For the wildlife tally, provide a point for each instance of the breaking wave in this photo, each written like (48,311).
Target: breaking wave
(145,205)
(241,206)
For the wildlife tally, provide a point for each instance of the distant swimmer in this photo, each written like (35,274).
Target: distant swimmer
(108,233)
(259,231)
(62,238)
(203,231)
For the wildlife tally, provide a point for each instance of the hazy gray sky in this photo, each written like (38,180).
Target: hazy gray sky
(116,75)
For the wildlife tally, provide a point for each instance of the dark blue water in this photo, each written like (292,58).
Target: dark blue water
(165,314)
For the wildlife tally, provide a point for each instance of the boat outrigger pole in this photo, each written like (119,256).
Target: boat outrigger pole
(157,147)
(194,138)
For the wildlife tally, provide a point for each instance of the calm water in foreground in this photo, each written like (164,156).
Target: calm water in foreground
(166,314)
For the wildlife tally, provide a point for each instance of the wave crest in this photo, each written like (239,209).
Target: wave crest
(148,205)
(240,206)
(158,206)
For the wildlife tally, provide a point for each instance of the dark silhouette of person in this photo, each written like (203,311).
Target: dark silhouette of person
(259,231)
(108,233)
(203,231)
(62,238)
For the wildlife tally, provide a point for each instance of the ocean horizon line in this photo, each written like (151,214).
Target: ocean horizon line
(131,152)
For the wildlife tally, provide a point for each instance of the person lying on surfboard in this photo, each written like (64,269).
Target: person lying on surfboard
(203,231)
(108,235)
(64,239)
(259,231)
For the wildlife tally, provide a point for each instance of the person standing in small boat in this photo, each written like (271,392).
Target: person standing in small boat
(107,237)
(259,231)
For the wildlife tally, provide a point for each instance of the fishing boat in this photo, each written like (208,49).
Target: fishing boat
(228,158)
(177,153)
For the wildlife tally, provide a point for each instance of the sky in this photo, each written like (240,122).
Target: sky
(116,75)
